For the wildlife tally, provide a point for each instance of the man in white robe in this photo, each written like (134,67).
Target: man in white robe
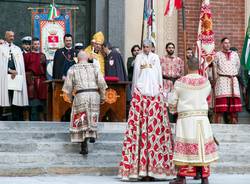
(12,64)
(195,147)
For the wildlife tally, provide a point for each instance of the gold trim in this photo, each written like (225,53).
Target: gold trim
(193,164)
(182,115)
(146,66)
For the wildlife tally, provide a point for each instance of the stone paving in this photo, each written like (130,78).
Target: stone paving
(81,179)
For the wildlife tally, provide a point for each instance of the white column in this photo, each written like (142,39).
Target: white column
(247,11)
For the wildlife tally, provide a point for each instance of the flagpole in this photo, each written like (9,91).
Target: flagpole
(184,32)
(142,30)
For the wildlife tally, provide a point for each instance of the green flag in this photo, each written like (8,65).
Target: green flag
(245,56)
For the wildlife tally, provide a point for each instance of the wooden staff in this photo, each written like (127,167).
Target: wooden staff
(142,30)
(184,35)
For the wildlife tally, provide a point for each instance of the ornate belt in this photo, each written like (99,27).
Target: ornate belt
(146,66)
(186,114)
(86,90)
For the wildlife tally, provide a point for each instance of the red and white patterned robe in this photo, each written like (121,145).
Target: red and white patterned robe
(227,86)
(148,145)
(172,67)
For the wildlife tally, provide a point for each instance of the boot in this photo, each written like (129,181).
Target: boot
(91,140)
(233,118)
(84,147)
(198,173)
(204,181)
(178,180)
(217,118)
(147,178)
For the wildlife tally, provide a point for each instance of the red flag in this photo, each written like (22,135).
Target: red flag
(171,5)
(205,49)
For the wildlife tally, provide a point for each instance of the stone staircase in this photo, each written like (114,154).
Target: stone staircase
(39,148)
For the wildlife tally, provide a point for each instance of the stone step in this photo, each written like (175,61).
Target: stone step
(57,136)
(112,169)
(55,147)
(104,127)
(113,146)
(26,126)
(54,136)
(92,159)
(231,168)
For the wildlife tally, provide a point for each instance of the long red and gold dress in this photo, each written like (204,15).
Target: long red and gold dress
(148,145)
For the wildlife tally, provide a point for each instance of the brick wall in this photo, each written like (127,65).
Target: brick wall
(228,20)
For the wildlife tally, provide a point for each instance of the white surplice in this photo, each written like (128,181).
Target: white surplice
(147,76)
(20,98)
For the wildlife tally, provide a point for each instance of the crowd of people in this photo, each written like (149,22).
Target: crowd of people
(164,90)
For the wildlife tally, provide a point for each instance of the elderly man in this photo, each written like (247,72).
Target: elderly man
(13,87)
(96,52)
(89,87)
(195,147)
(147,148)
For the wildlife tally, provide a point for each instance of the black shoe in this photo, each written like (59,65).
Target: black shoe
(84,148)
(178,180)
(204,181)
(198,173)
(91,140)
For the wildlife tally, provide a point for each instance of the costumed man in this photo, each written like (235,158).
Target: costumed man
(147,148)
(195,147)
(89,86)
(114,65)
(35,67)
(95,51)
(64,58)
(12,72)
(135,50)
(189,53)
(172,69)
(227,92)
(26,44)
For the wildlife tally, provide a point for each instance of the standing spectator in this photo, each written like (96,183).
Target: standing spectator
(64,58)
(227,92)
(135,50)
(172,69)
(35,67)
(12,68)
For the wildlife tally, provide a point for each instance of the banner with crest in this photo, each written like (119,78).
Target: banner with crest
(50,31)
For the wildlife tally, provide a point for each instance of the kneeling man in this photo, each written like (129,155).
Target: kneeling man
(195,147)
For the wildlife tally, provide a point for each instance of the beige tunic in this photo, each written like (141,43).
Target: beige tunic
(86,105)
(194,143)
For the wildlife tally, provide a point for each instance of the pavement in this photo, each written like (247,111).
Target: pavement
(82,179)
